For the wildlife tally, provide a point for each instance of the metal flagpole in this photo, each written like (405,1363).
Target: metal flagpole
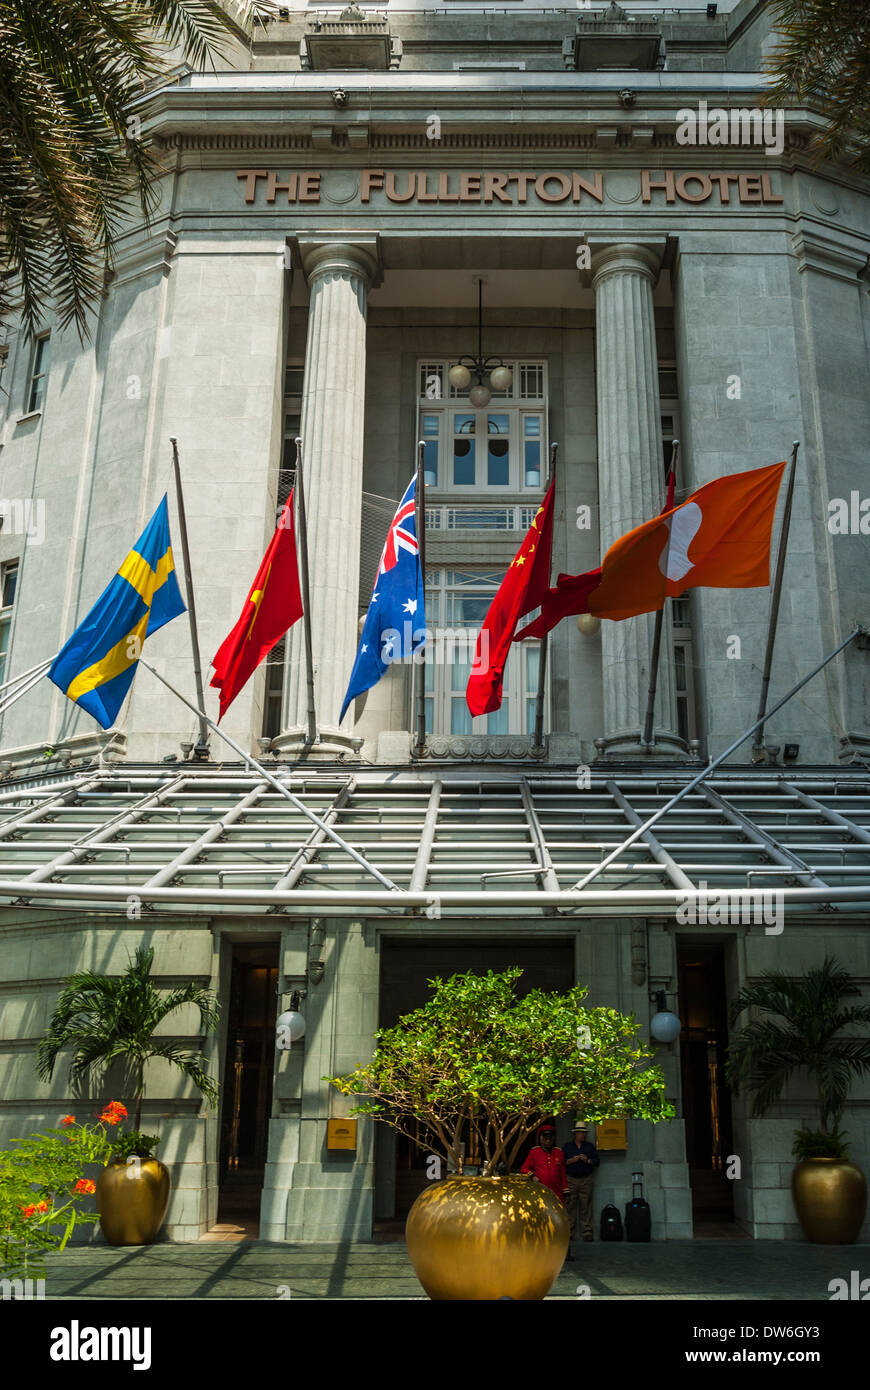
(16,680)
(758,746)
(306,599)
(690,786)
(646,738)
(22,687)
(420,739)
(201,749)
(274,782)
(538,741)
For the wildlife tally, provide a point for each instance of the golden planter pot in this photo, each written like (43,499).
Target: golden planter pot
(830,1197)
(132,1200)
(487,1238)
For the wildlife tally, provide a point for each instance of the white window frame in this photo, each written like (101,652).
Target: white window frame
(6,610)
(37,380)
(448,403)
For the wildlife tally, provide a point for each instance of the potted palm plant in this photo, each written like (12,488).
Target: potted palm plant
(106,1019)
(475,1070)
(803,1027)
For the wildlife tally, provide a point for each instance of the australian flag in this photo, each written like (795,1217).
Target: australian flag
(395,625)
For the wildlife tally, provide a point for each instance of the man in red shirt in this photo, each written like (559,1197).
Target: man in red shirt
(546,1163)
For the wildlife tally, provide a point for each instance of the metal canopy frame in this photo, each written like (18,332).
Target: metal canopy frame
(455,842)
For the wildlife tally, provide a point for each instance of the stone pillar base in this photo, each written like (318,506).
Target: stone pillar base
(631,745)
(330,744)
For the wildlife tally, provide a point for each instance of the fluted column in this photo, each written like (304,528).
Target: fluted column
(630,478)
(339,273)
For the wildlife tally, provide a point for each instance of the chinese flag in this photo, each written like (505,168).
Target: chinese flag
(523,588)
(273,605)
(719,538)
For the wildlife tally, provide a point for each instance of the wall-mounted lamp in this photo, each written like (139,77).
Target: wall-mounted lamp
(290,1026)
(664,1026)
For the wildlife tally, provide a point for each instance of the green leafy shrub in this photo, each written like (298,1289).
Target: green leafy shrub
(477,1060)
(817,1143)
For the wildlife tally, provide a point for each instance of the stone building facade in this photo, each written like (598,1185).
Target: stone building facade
(329,201)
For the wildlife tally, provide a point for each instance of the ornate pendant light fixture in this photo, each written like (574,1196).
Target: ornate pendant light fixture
(460,376)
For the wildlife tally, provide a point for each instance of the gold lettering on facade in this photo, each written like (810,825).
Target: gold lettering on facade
(491,186)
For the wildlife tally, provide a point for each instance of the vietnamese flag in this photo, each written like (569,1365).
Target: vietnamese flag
(273,605)
(719,538)
(523,588)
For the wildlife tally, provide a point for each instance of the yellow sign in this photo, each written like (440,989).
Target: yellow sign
(341,1134)
(610,1134)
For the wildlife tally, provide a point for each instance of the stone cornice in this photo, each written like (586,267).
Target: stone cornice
(826,256)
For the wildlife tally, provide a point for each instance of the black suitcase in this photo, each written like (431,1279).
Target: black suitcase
(611,1223)
(638,1219)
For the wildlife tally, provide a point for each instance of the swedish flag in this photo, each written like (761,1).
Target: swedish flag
(97,665)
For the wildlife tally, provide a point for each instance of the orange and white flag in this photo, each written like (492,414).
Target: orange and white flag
(719,538)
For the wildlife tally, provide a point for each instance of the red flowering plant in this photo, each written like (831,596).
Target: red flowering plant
(43,1192)
(43,1188)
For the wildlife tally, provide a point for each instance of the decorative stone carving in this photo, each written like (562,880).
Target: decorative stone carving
(354,41)
(611,39)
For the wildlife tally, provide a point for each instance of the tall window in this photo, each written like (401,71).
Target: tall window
(684,663)
(275,661)
(456,604)
(38,374)
(485,471)
(8,583)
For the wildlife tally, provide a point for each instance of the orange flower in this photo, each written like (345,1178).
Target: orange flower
(85,1186)
(113,1113)
(42,1206)
(68,1120)
(29,1211)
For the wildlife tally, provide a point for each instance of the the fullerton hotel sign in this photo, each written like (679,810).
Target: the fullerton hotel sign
(495,188)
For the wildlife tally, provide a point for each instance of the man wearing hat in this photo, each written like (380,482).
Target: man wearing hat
(581,1160)
(546,1163)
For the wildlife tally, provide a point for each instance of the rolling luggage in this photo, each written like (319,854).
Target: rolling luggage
(611,1223)
(638,1220)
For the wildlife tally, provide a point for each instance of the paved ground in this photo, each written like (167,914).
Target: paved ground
(672,1270)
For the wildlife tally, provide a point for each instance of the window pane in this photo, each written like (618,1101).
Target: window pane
(463,451)
(498,451)
(430,462)
(432,381)
(680,669)
(460,716)
(10,580)
(4,647)
(532,381)
(293,380)
(498,722)
(533,661)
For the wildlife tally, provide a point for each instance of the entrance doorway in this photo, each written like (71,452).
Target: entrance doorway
(706,1096)
(400,1169)
(247,1089)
